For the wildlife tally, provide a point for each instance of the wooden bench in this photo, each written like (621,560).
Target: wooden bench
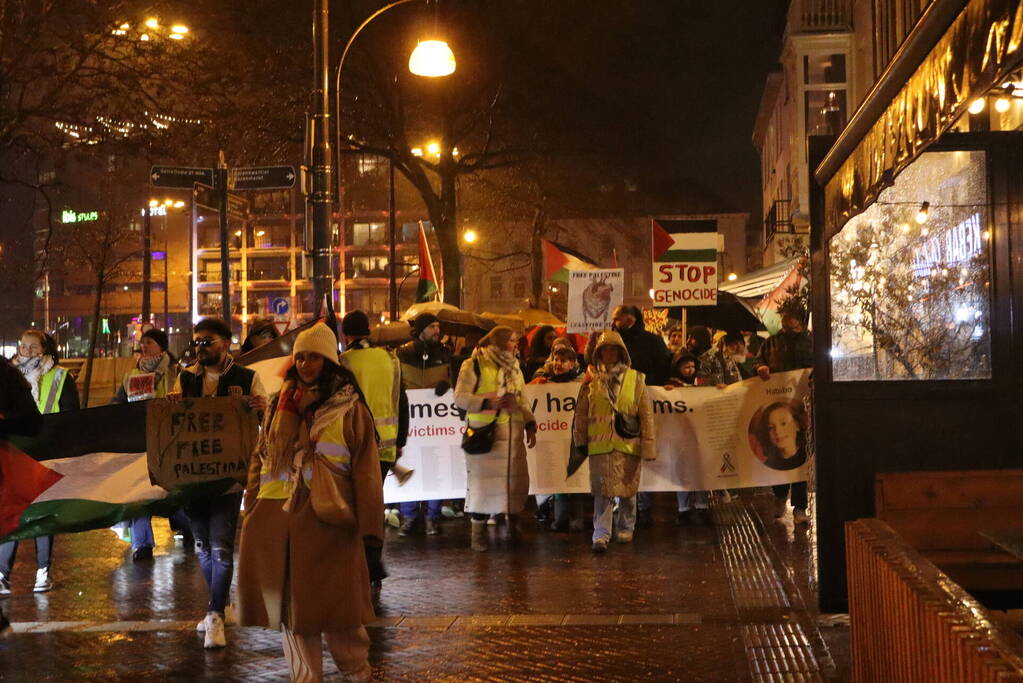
(941,514)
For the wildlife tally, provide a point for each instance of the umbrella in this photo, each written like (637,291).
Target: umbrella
(508,320)
(453,320)
(537,316)
(731,313)
(432,307)
(391,334)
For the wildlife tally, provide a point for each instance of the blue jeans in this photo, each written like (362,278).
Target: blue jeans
(411,510)
(214,521)
(691,499)
(645,500)
(142,533)
(8,550)
(624,518)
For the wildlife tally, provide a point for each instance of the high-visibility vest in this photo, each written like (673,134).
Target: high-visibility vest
(378,376)
(50,386)
(488,380)
(331,445)
(600,431)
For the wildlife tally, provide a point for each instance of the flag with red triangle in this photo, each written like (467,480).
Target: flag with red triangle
(427,277)
(559,260)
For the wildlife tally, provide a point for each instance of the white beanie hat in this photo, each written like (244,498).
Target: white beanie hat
(318,339)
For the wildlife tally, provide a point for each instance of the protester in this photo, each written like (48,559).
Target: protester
(425,364)
(298,572)
(684,370)
(490,390)
(649,356)
(676,341)
(735,350)
(700,344)
(539,350)
(379,378)
(260,332)
(54,391)
(215,518)
(790,349)
(18,415)
(152,377)
(541,373)
(561,367)
(614,423)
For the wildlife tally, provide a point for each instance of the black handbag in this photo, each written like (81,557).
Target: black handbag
(479,440)
(627,426)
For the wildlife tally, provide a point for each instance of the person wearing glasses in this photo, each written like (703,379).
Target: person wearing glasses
(53,390)
(214,519)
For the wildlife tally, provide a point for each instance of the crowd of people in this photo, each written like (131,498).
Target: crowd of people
(313,527)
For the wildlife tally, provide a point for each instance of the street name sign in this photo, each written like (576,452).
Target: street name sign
(261,178)
(179,177)
(206,197)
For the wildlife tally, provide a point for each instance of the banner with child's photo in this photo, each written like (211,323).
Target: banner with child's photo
(752,433)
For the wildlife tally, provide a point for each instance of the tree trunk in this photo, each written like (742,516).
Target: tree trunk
(536,255)
(446,225)
(94,333)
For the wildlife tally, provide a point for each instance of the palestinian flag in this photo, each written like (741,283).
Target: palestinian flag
(685,241)
(85,470)
(558,260)
(427,277)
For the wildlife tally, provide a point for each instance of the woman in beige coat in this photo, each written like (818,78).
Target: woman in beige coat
(614,423)
(490,389)
(297,573)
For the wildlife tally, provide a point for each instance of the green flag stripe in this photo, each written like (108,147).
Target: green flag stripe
(687,255)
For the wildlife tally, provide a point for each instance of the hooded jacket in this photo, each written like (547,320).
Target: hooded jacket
(648,351)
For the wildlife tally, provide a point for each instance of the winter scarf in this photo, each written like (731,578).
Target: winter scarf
(610,376)
(293,421)
(510,379)
(32,369)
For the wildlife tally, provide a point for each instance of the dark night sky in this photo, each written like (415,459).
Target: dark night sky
(682,78)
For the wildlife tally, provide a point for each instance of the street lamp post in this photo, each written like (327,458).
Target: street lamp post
(320,199)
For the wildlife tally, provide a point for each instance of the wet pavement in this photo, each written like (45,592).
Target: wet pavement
(732,601)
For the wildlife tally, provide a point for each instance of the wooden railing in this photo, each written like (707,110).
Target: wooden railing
(910,622)
(820,16)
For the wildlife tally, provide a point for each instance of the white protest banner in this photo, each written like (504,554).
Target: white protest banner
(685,258)
(592,296)
(748,434)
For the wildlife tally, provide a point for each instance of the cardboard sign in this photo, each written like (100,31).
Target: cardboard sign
(592,296)
(141,387)
(199,440)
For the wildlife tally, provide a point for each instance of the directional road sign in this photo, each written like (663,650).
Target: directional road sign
(206,197)
(261,178)
(180,177)
(280,306)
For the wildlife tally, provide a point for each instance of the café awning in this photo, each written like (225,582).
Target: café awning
(928,85)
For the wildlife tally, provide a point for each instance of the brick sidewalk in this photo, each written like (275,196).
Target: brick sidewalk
(715,603)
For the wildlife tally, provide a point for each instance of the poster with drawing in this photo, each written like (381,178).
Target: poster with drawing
(592,296)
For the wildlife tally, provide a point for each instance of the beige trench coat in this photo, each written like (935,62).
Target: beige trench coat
(294,567)
(498,481)
(617,473)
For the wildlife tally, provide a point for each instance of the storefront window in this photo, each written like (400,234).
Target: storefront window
(910,277)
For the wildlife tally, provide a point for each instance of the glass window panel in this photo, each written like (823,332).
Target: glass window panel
(496,287)
(824,68)
(825,112)
(911,300)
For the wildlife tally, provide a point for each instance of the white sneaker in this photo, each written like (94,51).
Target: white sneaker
(230,618)
(392,518)
(43,582)
(214,632)
(799,516)
(5,585)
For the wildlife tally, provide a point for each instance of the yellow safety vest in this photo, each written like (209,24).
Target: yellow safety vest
(378,376)
(50,386)
(600,431)
(330,445)
(487,382)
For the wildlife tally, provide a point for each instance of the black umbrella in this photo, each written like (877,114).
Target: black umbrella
(731,313)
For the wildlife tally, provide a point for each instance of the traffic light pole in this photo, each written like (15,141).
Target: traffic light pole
(320,199)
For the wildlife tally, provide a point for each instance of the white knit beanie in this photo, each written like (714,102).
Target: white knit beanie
(318,339)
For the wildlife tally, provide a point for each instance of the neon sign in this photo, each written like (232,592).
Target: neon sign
(69,216)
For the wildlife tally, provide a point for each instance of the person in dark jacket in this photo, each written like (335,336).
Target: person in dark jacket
(539,350)
(260,332)
(790,349)
(18,415)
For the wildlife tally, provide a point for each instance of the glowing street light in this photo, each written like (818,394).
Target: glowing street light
(470,236)
(152,22)
(977,105)
(432,59)
(433,148)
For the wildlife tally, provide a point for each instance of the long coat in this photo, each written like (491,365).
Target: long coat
(294,567)
(617,473)
(498,481)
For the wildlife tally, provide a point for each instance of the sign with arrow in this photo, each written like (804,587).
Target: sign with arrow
(261,178)
(207,197)
(179,177)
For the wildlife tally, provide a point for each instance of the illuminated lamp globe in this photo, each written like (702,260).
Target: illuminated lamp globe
(432,58)
(1002,105)
(470,236)
(977,105)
